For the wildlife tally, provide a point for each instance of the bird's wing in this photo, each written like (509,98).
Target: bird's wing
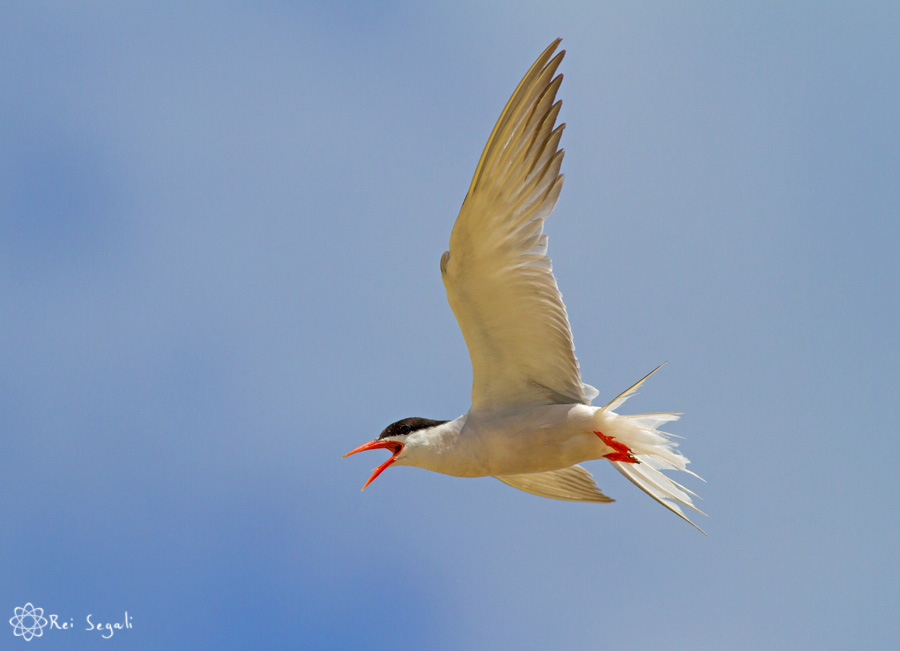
(498,277)
(574,484)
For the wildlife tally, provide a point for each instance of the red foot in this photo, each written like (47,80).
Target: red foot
(622,452)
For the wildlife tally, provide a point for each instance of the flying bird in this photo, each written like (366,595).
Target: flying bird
(531,421)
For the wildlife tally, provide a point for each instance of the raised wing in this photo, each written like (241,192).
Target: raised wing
(498,277)
(574,484)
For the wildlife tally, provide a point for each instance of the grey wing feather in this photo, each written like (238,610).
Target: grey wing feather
(499,280)
(574,484)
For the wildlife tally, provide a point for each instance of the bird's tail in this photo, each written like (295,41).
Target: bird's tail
(651,451)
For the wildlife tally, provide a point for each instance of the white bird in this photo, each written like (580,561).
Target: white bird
(531,420)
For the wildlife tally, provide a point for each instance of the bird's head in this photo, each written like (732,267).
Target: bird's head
(400,438)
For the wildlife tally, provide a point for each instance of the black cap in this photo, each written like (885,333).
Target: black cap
(408,425)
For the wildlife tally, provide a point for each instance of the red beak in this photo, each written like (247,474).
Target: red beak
(394,446)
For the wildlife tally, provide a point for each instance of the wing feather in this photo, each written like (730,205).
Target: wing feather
(498,277)
(573,484)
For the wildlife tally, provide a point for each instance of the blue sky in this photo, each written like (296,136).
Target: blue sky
(220,229)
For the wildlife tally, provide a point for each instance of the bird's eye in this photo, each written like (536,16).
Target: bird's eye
(405,429)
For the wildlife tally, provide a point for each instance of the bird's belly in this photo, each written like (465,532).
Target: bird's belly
(513,453)
(542,439)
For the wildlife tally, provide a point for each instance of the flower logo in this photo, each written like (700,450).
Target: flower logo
(28,621)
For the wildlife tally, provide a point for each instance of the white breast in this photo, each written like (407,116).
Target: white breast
(484,443)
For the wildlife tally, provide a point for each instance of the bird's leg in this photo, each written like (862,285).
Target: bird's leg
(622,452)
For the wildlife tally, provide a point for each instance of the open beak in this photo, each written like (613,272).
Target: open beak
(394,446)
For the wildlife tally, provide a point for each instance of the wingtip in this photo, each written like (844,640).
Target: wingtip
(552,47)
(557,59)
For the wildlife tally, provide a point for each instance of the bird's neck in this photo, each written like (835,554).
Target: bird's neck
(440,449)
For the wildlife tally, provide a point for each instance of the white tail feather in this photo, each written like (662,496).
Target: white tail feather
(625,395)
(651,481)
(654,450)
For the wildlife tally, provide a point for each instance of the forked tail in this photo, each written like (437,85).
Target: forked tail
(651,451)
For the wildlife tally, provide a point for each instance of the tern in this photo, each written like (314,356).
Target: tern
(531,421)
